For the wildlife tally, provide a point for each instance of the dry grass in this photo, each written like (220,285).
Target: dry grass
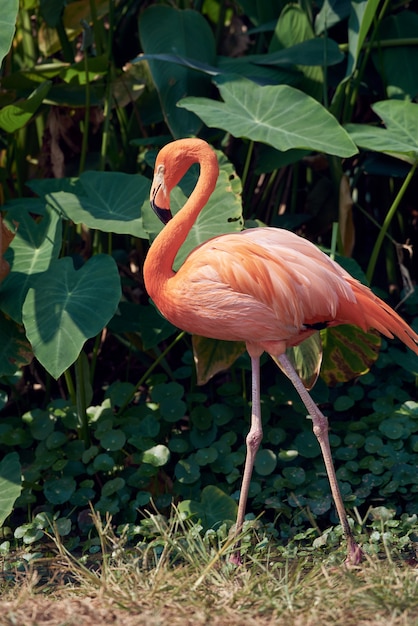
(190,584)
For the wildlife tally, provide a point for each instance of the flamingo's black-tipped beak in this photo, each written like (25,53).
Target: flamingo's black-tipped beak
(164,215)
(159,196)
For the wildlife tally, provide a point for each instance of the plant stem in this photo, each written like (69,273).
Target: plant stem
(247,163)
(95,354)
(389,216)
(67,50)
(107,108)
(84,144)
(150,369)
(70,386)
(83,427)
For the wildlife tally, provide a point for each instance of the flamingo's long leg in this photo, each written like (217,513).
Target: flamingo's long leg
(253,440)
(320,429)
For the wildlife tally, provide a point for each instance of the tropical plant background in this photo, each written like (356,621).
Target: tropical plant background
(311,107)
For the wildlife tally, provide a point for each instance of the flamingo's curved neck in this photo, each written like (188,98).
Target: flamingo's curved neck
(158,266)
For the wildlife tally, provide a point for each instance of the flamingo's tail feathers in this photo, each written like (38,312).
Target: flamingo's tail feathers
(379,315)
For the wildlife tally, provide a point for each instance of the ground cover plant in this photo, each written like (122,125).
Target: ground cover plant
(105,408)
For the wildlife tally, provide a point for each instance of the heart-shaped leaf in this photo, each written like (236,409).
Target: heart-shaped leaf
(280,116)
(108,201)
(164,29)
(294,27)
(7,25)
(265,462)
(388,60)
(156,456)
(348,352)
(10,484)
(399,138)
(36,243)
(59,490)
(214,508)
(65,307)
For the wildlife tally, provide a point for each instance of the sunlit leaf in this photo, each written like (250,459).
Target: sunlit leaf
(294,27)
(348,352)
(107,201)
(399,138)
(8,15)
(156,456)
(16,115)
(75,13)
(280,116)
(306,358)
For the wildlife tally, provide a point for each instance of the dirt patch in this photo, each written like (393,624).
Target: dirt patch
(88,611)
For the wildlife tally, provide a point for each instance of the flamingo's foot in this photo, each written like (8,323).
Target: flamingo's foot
(354,555)
(235,558)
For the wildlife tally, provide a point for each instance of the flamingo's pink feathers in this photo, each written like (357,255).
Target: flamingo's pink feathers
(265,286)
(270,287)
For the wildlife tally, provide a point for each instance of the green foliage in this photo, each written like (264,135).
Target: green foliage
(7,26)
(261,114)
(10,486)
(97,392)
(178,445)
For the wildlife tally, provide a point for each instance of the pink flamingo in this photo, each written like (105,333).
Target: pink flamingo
(266,287)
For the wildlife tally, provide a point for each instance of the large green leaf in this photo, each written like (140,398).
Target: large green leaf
(15,116)
(294,27)
(306,358)
(309,52)
(214,508)
(8,16)
(65,307)
(51,11)
(263,68)
(222,214)
(348,352)
(389,60)
(10,484)
(399,138)
(107,201)
(212,356)
(167,30)
(37,242)
(15,351)
(332,12)
(280,116)
(363,13)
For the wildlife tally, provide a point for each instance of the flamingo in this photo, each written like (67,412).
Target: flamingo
(266,287)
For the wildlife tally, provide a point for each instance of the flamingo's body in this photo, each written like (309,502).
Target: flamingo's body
(265,286)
